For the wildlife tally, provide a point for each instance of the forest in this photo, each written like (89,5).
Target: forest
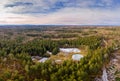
(16,63)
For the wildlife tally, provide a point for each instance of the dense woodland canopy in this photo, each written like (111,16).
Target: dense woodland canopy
(16,63)
(40,47)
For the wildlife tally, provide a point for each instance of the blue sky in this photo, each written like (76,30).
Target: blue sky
(65,12)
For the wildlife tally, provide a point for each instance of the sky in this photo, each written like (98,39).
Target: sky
(60,12)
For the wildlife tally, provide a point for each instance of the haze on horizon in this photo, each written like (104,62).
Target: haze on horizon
(62,12)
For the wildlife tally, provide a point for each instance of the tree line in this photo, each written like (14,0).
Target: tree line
(40,47)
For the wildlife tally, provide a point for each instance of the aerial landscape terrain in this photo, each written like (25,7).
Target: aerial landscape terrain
(59,40)
(70,53)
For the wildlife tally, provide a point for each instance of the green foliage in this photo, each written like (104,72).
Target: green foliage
(40,47)
(117,78)
(93,42)
(17,65)
(55,51)
(85,70)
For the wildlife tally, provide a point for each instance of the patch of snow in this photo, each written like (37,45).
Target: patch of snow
(104,76)
(77,57)
(49,52)
(69,50)
(43,60)
(36,57)
(33,59)
(115,60)
(97,79)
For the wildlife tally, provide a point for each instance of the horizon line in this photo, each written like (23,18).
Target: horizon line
(56,25)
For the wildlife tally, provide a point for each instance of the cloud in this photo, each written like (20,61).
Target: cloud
(84,12)
(19,4)
(107,2)
(29,6)
(48,6)
(85,16)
